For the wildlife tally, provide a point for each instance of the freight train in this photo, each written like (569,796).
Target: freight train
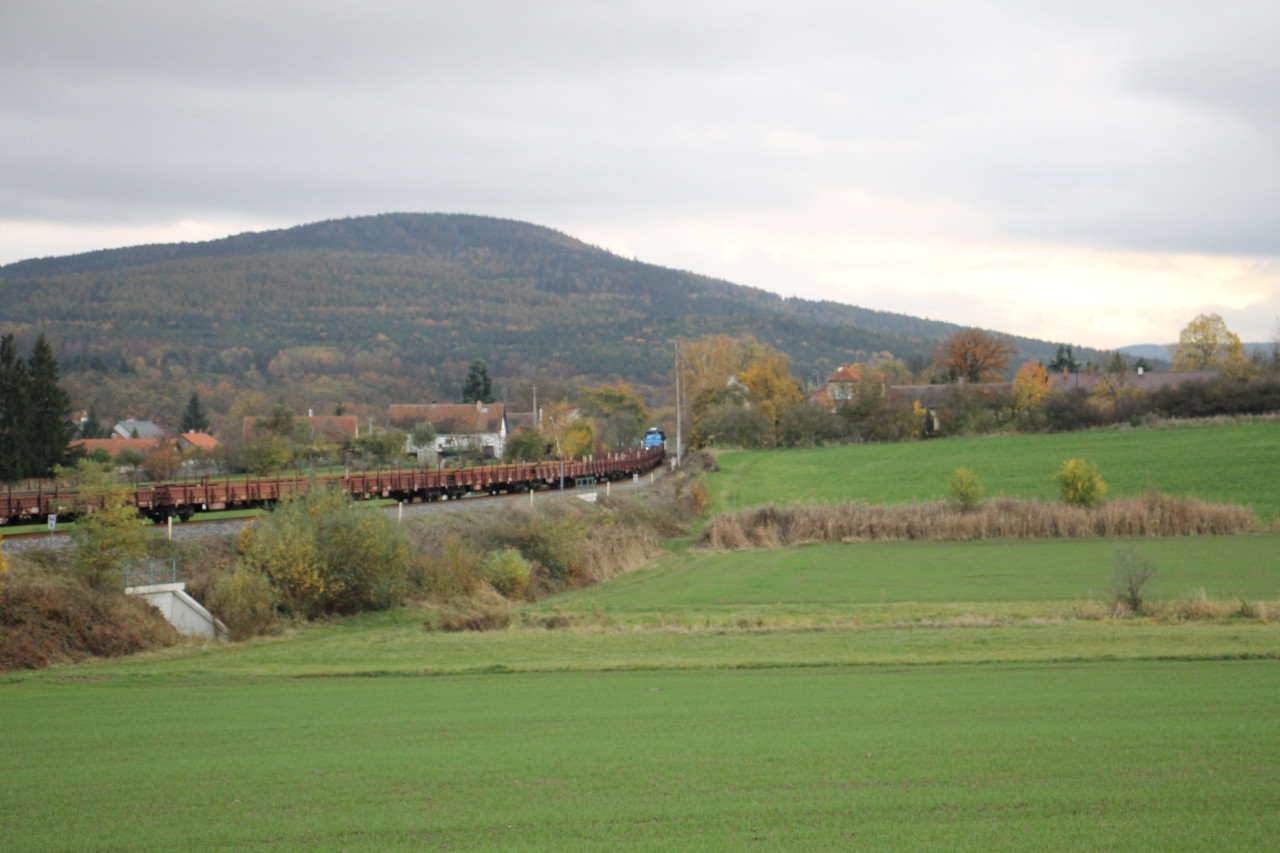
(184,500)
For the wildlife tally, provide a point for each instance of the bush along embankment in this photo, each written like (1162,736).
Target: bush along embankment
(319,555)
(1001,518)
(50,615)
(476,569)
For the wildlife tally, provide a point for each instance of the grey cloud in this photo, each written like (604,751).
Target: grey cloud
(1129,125)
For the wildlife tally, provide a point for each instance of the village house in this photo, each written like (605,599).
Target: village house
(457,426)
(316,429)
(131,428)
(113,446)
(203,442)
(843,386)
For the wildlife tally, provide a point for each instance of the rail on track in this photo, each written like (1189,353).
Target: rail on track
(185,500)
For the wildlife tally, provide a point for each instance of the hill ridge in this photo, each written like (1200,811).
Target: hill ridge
(420,295)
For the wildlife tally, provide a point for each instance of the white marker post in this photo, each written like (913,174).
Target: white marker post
(53,524)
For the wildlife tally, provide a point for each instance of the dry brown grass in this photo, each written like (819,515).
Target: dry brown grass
(46,621)
(482,610)
(613,550)
(771,526)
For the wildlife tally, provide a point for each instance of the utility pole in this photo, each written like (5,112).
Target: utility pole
(679,433)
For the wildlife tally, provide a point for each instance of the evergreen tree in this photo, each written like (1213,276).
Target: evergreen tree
(1064,360)
(194,418)
(14,418)
(49,422)
(92,427)
(477,387)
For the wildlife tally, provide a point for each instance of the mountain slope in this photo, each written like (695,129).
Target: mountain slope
(433,290)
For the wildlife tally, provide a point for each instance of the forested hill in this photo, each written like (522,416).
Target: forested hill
(554,261)
(426,292)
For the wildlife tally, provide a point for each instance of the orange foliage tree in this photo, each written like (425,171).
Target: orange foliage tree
(976,356)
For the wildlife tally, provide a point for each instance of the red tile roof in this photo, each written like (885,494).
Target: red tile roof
(334,428)
(450,418)
(200,440)
(115,445)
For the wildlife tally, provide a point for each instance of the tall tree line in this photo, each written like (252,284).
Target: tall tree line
(35,412)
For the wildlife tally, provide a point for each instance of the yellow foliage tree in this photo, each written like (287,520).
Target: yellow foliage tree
(1207,344)
(770,386)
(579,438)
(618,410)
(1030,386)
(707,362)
(706,365)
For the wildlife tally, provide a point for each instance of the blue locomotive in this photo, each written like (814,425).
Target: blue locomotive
(654,437)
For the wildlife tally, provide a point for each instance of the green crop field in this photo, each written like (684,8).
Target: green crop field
(882,696)
(1226,463)
(868,575)
(1132,756)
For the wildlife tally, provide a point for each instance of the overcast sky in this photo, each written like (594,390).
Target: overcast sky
(1090,172)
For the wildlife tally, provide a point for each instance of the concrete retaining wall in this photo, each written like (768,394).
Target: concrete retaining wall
(183,612)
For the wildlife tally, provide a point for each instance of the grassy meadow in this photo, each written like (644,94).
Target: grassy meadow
(981,695)
(1229,463)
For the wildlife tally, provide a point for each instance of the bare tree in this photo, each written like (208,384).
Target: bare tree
(1134,569)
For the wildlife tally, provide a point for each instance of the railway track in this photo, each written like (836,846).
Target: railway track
(199,528)
(189,499)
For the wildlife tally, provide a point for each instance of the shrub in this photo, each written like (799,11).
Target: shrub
(507,572)
(203,562)
(324,555)
(454,572)
(553,541)
(108,531)
(1134,569)
(1079,483)
(1066,411)
(245,603)
(964,491)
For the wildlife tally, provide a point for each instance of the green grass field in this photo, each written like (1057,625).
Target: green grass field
(870,574)
(1131,756)
(1228,464)
(886,696)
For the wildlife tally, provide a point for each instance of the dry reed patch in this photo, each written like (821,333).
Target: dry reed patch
(482,610)
(613,550)
(771,526)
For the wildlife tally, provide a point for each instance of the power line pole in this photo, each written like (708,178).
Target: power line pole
(679,432)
